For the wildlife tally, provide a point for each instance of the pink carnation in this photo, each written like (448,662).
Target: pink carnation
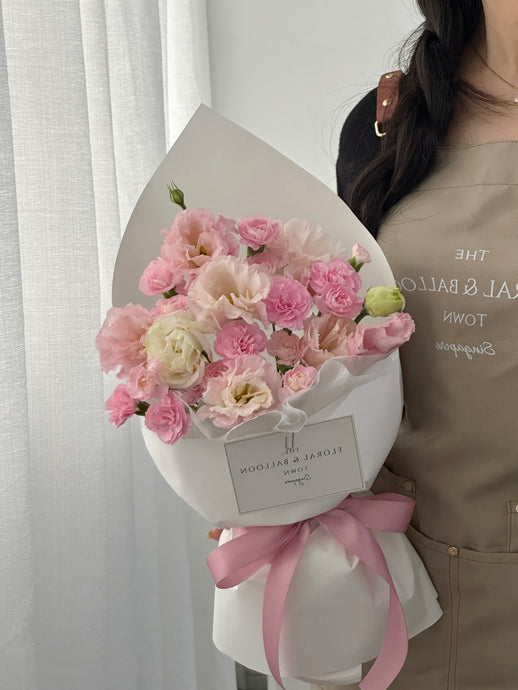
(249,387)
(384,337)
(336,272)
(159,276)
(288,303)
(360,254)
(286,348)
(121,405)
(146,382)
(196,237)
(325,337)
(239,338)
(258,230)
(169,305)
(120,339)
(339,300)
(296,380)
(168,419)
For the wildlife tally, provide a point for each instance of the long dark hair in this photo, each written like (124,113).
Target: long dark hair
(427,94)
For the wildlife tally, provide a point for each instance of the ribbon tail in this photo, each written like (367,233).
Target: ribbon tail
(359,540)
(276,590)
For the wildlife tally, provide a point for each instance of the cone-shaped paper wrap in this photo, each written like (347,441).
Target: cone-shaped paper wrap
(224,168)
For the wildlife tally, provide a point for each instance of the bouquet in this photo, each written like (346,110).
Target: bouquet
(231,337)
(265,370)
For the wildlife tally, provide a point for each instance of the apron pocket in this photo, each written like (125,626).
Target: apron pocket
(487,655)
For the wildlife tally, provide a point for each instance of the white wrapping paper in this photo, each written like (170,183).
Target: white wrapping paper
(197,468)
(224,168)
(335,614)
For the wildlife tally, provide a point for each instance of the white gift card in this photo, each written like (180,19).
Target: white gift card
(281,468)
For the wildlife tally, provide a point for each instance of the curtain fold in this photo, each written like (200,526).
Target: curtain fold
(101,566)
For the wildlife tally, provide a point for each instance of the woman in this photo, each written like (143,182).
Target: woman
(440,190)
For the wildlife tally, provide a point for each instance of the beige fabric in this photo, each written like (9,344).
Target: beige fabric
(453,246)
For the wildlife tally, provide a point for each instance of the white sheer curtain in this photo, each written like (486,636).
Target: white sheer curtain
(102,579)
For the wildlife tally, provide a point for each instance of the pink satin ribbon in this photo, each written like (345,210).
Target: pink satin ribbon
(281,546)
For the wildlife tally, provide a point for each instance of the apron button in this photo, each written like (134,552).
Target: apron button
(453,551)
(408,485)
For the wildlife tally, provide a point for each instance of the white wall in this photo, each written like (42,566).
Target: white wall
(290,70)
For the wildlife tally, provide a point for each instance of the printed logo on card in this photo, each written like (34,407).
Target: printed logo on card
(281,468)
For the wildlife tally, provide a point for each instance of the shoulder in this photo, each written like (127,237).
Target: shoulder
(359,144)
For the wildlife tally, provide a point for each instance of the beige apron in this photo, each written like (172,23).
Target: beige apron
(453,247)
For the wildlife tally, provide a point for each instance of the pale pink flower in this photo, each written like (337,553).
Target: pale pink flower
(168,419)
(192,395)
(121,405)
(258,230)
(196,237)
(285,347)
(288,303)
(339,300)
(296,380)
(146,382)
(217,368)
(249,387)
(336,272)
(229,288)
(239,338)
(300,244)
(159,276)
(360,254)
(120,340)
(325,337)
(266,261)
(169,305)
(384,337)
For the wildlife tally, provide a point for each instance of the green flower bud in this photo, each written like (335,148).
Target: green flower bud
(382,301)
(176,195)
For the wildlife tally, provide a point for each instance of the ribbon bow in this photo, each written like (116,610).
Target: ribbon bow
(350,523)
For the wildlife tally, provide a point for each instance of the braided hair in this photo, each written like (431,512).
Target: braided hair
(427,95)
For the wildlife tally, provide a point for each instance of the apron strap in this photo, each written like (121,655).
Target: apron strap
(388,93)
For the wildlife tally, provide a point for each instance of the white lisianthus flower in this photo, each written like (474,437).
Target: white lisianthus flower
(229,288)
(300,244)
(177,341)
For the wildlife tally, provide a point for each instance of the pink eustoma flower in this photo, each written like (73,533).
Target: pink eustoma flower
(120,405)
(168,419)
(250,386)
(360,254)
(384,337)
(120,339)
(325,337)
(196,237)
(288,303)
(239,338)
